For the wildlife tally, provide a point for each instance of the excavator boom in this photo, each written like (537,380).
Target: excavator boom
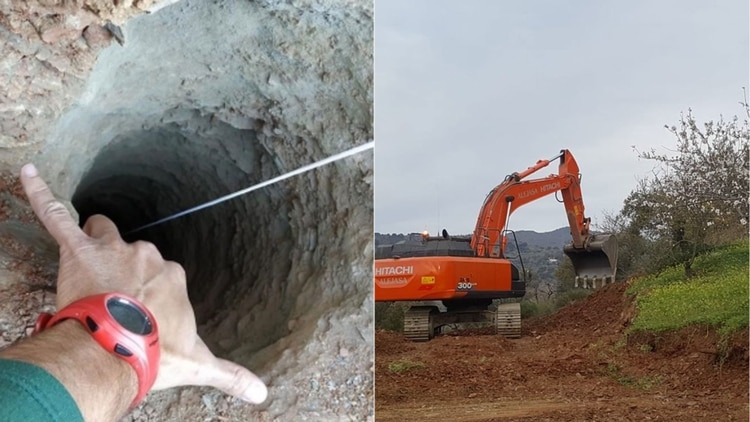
(594,257)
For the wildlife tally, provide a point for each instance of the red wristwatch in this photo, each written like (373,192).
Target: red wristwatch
(122,326)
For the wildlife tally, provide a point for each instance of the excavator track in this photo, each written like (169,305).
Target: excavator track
(508,320)
(417,324)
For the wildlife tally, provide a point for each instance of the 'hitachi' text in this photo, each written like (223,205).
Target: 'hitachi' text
(398,270)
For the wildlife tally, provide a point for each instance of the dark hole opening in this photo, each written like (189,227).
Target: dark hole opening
(229,250)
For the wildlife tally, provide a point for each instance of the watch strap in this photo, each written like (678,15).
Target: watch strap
(141,351)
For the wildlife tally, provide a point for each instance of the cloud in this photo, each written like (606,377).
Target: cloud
(467,92)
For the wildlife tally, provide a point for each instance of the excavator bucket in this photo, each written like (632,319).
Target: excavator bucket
(596,261)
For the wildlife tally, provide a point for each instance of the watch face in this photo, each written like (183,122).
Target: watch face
(129,316)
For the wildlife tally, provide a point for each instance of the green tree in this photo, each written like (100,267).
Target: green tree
(637,255)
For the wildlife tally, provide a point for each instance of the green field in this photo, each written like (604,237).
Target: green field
(717,295)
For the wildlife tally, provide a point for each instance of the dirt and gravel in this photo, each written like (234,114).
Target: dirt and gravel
(575,365)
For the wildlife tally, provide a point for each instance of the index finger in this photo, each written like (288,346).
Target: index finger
(53,214)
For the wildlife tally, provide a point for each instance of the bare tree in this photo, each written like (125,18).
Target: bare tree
(698,195)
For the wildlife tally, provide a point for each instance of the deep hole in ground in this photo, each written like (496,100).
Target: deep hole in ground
(145,175)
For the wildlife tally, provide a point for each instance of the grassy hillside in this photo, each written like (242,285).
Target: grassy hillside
(717,295)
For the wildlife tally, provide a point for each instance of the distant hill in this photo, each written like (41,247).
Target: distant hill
(541,252)
(554,239)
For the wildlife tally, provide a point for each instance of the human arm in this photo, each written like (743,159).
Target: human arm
(96,260)
(101,384)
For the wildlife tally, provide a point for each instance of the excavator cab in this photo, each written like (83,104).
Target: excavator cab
(595,262)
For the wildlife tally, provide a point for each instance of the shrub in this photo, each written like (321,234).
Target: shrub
(405,365)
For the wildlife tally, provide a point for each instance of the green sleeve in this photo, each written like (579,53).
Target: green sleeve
(29,393)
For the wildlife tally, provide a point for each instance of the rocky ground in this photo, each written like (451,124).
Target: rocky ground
(575,365)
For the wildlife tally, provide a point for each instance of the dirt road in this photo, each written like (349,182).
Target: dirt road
(575,365)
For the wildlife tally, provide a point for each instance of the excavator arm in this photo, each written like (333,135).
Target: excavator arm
(593,256)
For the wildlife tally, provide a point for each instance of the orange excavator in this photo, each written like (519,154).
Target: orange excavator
(467,273)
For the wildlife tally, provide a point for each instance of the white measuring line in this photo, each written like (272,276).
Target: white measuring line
(304,169)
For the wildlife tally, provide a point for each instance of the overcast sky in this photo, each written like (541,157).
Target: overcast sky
(467,92)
